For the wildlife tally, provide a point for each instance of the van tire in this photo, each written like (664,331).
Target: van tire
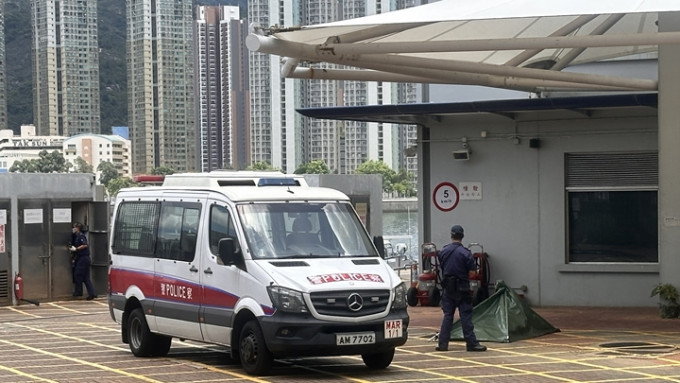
(378,361)
(255,358)
(412,296)
(162,345)
(140,338)
(434,296)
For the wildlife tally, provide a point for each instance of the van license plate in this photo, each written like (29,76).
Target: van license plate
(393,329)
(356,338)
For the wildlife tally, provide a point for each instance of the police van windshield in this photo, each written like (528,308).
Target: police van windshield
(304,230)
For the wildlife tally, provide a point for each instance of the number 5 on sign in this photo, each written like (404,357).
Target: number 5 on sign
(445,196)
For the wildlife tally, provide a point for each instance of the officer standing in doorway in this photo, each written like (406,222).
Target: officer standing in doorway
(457,264)
(81,269)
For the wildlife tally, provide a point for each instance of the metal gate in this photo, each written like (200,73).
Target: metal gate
(44,259)
(34,249)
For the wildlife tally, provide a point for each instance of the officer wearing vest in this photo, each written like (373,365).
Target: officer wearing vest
(457,264)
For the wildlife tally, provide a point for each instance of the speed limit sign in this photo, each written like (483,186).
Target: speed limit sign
(445,196)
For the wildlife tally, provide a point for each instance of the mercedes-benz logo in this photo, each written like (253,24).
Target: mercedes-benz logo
(355,302)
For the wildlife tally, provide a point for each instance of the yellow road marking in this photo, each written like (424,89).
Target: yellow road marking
(23,312)
(66,308)
(25,375)
(632,370)
(458,378)
(325,372)
(79,361)
(208,367)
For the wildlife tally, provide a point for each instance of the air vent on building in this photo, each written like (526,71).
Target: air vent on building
(628,169)
(4,284)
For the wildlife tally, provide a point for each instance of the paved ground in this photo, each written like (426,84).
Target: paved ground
(76,341)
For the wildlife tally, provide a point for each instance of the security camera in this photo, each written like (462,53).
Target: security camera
(461,155)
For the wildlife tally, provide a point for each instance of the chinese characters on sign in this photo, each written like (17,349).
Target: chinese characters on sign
(177,291)
(470,190)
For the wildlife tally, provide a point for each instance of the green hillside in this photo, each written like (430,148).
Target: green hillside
(111,60)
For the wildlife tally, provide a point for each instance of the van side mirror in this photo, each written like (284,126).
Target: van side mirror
(228,254)
(379,245)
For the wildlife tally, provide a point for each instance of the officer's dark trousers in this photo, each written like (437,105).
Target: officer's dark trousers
(81,274)
(464,306)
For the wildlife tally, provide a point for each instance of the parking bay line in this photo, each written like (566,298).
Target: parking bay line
(110,369)
(23,374)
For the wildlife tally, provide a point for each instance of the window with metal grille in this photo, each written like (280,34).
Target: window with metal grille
(136,224)
(612,207)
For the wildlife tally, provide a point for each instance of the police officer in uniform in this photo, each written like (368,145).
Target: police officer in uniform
(457,264)
(81,268)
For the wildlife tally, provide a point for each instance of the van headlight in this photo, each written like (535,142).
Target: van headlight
(287,300)
(399,297)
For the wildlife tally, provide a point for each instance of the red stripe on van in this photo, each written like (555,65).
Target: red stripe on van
(120,280)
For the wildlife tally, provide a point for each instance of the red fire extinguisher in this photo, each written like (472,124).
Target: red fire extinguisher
(19,290)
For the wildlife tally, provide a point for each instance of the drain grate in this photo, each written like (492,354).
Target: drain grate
(639,347)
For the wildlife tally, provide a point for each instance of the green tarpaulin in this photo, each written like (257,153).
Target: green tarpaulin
(504,317)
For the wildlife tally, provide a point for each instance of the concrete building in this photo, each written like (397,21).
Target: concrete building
(36,216)
(282,138)
(3,65)
(572,189)
(25,146)
(97,148)
(221,88)
(161,85)
(65,67)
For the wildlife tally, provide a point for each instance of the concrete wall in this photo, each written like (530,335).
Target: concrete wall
(521,218)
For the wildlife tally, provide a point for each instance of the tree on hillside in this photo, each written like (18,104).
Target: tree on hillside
(81,166)
(261,166)
(108,173)
(45,163)
(313,167)
(392,181)
(162,171)
(378,167)
(118,183)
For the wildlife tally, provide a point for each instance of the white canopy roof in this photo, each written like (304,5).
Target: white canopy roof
(514,44)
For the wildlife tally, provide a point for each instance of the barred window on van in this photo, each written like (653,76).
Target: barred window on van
(135,226)
(612,207)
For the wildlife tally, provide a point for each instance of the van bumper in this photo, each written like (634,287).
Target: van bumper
(303,335)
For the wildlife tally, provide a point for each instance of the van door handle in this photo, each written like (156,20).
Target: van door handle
(208,271)
(193,269)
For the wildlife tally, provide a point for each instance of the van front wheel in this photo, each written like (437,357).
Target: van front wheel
(256,359)
(378,361)
(140,338)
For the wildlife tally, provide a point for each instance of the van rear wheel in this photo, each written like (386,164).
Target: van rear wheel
(256,359)
(162,345)
(379,360)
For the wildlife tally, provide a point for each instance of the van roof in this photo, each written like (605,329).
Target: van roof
(241,186)
(219,178)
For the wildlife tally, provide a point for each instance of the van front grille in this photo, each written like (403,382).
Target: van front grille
(350,303)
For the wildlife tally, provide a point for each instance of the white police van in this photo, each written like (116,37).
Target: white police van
(256,261)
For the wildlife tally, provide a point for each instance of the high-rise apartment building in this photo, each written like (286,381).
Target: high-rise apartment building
(3,81)
(221,88)
(65,67)
(161,85)
(280,137)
